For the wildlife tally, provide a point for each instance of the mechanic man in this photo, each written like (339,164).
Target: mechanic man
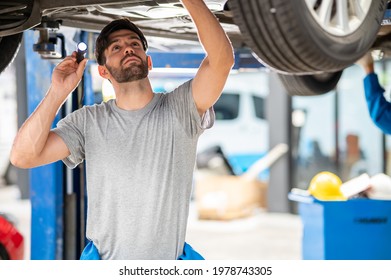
(379,108)
(140,148)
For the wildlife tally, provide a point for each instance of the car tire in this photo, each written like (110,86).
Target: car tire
(287,37)
(9,46)
(309,85)
(3,253)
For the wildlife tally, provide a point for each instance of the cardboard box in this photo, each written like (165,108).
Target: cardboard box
(228,197)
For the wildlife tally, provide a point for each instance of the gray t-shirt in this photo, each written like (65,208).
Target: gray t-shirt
(139,167)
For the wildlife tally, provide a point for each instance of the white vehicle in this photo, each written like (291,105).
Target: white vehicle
(241,129)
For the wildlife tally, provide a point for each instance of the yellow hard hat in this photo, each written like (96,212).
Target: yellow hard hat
(326,186)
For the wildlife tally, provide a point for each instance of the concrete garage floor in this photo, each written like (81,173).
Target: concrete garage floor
(263,236)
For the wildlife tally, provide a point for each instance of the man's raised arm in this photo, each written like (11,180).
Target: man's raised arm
(34,144)
(214,70)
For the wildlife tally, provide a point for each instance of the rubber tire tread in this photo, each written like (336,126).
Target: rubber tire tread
(9,47)
(309,85)
(289,41)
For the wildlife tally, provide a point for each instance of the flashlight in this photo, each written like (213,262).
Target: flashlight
(81,51)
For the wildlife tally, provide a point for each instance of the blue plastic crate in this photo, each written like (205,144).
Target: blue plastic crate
(357,229)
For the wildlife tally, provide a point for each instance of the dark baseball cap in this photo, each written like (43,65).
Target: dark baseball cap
(115,25)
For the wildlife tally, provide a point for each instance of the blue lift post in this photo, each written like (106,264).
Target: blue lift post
(51,197)
(46,182)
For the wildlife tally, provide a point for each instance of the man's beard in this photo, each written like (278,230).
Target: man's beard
(129,73)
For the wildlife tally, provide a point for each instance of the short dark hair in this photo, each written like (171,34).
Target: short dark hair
(118,24)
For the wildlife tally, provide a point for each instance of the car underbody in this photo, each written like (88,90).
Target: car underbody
(308,42)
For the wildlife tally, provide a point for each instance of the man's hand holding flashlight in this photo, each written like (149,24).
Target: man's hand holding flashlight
(67,75)
(81,51)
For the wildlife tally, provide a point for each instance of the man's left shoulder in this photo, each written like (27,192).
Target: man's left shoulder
(184,87)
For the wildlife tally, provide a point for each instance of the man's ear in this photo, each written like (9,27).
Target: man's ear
(149,60)
(103,71)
